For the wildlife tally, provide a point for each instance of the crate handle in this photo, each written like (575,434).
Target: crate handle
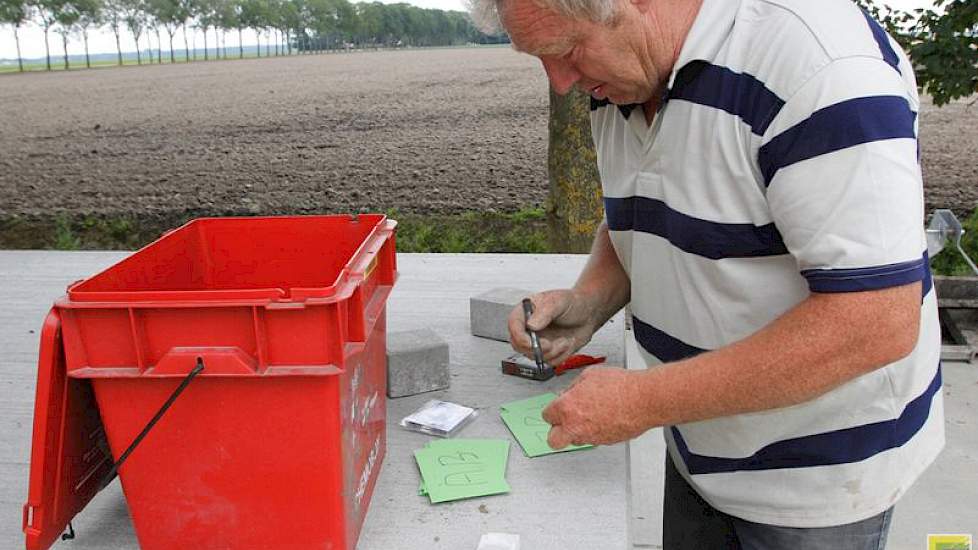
(156,418)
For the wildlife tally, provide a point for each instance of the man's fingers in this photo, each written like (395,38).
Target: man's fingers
(558,438)
(517,331)
(543,315)
(556,350)
(553,414)
(547,306)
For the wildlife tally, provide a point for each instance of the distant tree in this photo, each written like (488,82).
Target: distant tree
(371,22)
(134,15)
(187,10)
(114,15)
(941,41)
(67,17)
(47,11)
(239,25)
(226,18)
(252,13)
(152,23)
(168,13)
(90,14)
(290,20)
(204,12)
(944,49)
(15,13)
(279,15)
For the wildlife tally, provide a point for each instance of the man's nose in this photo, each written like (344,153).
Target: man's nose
(562,75)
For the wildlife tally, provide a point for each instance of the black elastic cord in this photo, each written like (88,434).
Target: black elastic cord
(70,534)
(159,414)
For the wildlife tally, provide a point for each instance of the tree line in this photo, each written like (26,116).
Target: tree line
(288,26)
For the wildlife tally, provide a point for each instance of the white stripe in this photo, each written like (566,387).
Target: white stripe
(721,186)
(858,207)
(709,303)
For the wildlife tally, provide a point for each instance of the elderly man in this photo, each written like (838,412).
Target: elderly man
(764,223)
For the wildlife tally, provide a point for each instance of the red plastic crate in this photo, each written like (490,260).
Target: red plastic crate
(278,442)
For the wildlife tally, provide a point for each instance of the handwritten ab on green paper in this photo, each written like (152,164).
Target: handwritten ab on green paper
(524,418)
(455,469)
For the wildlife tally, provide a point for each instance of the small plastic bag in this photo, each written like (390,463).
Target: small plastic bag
(499,541)
(439,418)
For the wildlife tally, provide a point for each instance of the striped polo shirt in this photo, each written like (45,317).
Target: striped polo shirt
(783,162)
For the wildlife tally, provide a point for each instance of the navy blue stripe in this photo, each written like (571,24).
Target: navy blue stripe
(889,55)
(836,447)
(867,278)
(928,283)
(739,94)
(837,127)
(701,237)
(664,347)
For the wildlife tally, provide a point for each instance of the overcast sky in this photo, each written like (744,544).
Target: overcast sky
(32,39)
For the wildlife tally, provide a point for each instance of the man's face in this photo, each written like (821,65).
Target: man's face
(606,61)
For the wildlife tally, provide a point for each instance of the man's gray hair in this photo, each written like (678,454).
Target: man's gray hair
(485,13)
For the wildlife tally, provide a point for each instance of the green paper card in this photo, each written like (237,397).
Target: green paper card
(524,419)
(458,469)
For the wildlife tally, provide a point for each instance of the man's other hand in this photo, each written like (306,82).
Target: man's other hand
(603,406)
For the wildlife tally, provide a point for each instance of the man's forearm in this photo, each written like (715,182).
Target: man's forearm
(603,283)
(822,343)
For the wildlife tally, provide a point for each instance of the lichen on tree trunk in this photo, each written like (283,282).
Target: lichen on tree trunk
(574,207)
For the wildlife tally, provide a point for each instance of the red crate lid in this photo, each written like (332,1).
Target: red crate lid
(70,455)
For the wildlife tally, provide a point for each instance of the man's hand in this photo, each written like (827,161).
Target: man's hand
(563,320)
(602,407)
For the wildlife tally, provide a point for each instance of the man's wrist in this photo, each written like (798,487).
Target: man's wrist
(591,307)
(650,387)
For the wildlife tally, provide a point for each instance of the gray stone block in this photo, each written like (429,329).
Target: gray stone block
(417,362)
(489,312)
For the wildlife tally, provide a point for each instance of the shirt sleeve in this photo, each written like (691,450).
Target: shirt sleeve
(841,169)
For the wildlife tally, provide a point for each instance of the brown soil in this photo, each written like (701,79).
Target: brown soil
(428,132)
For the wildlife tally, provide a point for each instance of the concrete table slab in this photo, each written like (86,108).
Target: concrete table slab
(570,501)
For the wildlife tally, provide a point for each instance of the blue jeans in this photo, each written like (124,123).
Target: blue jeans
(689,523)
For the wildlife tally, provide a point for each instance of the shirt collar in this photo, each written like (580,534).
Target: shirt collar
(710,29)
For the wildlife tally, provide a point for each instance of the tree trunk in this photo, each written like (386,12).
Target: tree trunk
(268,46)
(47,48)
(173,57)
(186,46)
(64,42)
(88,58)
(205,43)
(139,55)
(278,40)
(575,205)
(20,59)
(159,47)
(240,45)
(118,45)
(258,42)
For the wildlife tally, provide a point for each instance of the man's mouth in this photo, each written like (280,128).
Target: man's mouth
(597,92)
